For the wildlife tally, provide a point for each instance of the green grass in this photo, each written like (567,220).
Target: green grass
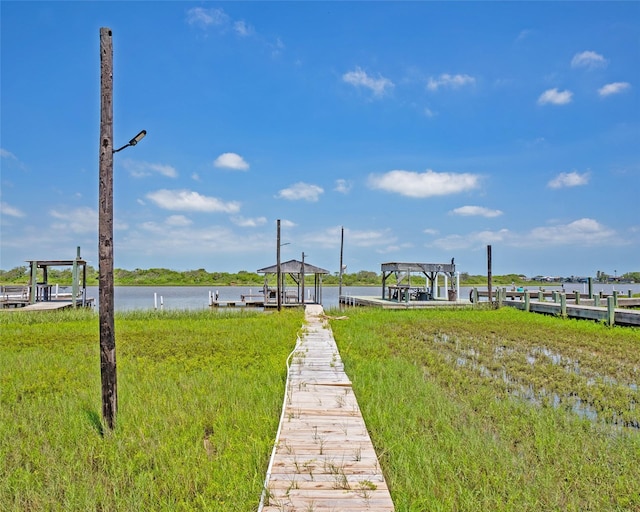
(199,402)
(463,418)
(469,409)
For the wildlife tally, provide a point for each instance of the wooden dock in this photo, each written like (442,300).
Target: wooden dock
(323,459)
(351,300)
(50,305)
(617,316)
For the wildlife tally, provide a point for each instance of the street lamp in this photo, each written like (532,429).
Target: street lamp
(105,231)
(133,141)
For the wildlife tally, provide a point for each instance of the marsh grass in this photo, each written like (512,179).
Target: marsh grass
(199,400)
(443,394)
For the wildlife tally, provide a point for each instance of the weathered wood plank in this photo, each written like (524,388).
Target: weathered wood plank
(324,458)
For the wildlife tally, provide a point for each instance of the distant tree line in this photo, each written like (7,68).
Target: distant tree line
(201,277)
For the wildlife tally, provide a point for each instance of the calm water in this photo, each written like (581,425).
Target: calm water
(197,297)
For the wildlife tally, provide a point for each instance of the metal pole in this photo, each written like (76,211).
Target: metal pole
(105,233)
(278,270)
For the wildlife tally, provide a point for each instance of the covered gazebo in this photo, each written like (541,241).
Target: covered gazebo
(404,290)
(42,291)
(296,270)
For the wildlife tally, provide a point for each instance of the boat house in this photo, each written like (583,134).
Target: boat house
(43,291)
(294,272)
(397,282)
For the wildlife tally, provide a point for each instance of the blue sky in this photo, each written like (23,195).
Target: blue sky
(427,130)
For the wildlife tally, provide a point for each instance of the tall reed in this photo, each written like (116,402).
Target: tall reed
(199,401)
(481,410)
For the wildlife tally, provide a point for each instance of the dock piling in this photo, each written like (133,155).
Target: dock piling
(611,310)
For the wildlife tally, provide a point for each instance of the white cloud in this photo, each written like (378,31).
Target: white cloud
(480,211)
(555,97)
(471,241)
(231,161)
(588,59)
(180,241)
(301,190)
(217,19)
(242,29)
(7,209)
(569,179)
(584,232)
(178,221)
(524,34)
(393,248)
(343,186)
(451,81)
(188,200)
(330,237)
(426,184)
(284,223)
(79,220)
(276,47)
(359,78)
(428,112)
(430,231)
(613,88)
(13,158)
(7,154)
(206,17)
(139,169)
(248,222)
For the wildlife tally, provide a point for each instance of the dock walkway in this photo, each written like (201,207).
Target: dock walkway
(50,305)
(355,300)
(323,459)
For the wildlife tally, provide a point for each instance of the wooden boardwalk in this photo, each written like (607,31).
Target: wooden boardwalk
(50,305)
(323,459)
(619,316)
(354,300)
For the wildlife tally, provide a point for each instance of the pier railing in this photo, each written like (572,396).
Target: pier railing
(608,308)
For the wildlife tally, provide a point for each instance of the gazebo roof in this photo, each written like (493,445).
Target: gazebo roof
(56,263)
(418,267)
(293,267)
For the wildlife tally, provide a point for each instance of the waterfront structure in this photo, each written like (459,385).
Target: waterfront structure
(403,290)
(296,270)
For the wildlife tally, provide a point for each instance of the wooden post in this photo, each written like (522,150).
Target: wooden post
(278,270)
(34,282)
(75,278)
(341,268)
(303,278)
(563,305)
(576,295)
(611,310)
(527,300)
(489,284)
(590,287)
(105,233)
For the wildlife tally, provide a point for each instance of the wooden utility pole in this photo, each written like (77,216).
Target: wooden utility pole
(489,284)
(105,234)
(278,270)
